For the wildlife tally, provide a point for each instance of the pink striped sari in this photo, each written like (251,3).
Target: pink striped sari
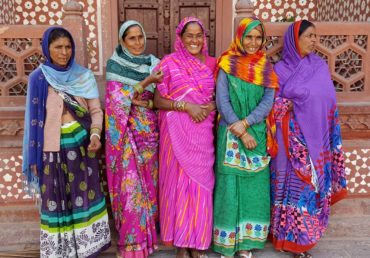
(186,154)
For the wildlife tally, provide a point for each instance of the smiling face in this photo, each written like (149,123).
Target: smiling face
(193,39)
(60,51)
(252,42)
(307,41)
(134,41)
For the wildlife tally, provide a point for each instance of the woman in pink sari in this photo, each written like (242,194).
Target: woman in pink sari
(132,143)
(186,153)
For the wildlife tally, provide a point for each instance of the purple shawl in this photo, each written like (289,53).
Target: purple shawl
(307,83)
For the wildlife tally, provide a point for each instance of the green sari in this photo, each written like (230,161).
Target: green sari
(242,191)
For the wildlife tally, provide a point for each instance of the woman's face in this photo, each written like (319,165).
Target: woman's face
(307,41)
(134,41)
(60,51)
(192,38)
(252,42)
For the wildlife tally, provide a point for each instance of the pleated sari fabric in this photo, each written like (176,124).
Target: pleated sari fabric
(186,154)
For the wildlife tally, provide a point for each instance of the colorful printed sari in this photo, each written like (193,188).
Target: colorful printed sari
(242,191)
(74,218)
(308,174)
(131,152)
(186,149)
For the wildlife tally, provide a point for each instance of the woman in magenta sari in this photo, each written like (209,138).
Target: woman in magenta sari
(308,173)
(132,143)
(185,98)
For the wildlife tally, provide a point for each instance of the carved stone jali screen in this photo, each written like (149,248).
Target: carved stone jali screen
(160,18)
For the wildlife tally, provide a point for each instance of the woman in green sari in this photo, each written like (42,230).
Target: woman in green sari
(245,90)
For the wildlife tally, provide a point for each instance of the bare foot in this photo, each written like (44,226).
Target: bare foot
(182,253)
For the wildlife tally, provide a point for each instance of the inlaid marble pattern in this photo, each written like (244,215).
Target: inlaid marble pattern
(7,11)
(347,11)
(278,10)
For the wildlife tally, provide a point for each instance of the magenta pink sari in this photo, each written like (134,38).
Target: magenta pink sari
(132,169)
(186,152)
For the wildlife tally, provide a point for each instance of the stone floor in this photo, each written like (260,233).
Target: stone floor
(351,248)
(346,248)
(348,234)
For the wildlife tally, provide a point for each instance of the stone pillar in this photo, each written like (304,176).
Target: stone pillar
(243,8)
(74,22)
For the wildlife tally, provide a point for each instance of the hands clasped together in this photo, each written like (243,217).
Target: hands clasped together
(239,129)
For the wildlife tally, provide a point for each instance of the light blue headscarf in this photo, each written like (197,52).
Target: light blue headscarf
(77,81)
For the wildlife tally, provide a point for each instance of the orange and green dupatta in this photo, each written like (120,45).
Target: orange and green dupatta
(254,69)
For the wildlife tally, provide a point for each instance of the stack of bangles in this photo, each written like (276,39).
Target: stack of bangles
(245,123)
(139,88)
(178,105)
(95,131)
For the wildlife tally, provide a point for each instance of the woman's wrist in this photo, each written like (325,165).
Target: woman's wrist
(245,123)
(94,134)
(179,106)
(139,88)
(150,104)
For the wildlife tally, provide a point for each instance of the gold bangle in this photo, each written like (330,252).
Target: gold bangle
(245,123)
(173,105)
(138,88)
(178,104)
(95,130)
(243,134)
(150,104)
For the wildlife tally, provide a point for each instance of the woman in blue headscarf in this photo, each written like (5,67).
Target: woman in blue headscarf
(63,122)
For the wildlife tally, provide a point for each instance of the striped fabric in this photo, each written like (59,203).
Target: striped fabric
(185,207)
(74,219)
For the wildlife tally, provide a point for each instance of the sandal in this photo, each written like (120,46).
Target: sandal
(244,255)
(302,255)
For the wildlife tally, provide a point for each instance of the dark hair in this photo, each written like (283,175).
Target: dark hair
(59,33)
(186,26)
(128,28)
(304,26)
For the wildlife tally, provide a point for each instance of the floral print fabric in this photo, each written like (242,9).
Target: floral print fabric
(132,169)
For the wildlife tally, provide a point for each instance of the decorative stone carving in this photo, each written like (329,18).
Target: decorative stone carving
(73,21)
(11,127)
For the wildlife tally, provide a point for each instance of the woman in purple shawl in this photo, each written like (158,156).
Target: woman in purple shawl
(308,173)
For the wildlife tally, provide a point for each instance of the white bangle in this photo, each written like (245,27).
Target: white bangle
(97,135)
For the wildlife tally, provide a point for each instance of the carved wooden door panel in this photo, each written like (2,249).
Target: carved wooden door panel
(160,18)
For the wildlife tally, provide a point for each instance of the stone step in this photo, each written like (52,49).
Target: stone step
(19,236)
(19,225)
(19,213)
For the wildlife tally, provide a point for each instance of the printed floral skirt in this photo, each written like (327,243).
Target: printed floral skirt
(74,219)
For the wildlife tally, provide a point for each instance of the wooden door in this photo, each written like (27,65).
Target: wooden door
(160,18)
